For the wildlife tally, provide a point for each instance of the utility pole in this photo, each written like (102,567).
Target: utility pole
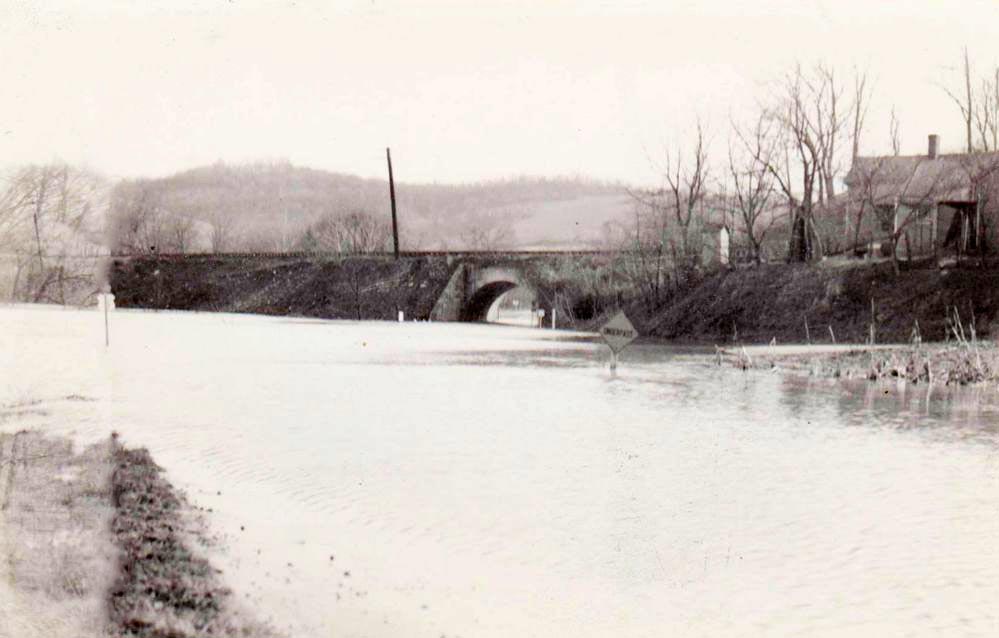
(395,223)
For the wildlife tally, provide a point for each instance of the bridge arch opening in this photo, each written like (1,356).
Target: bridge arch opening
(515,307)
(477,308)
(500,302)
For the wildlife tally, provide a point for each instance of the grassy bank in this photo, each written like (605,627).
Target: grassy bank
(831,302)
(163,586)
(57,561)
(97,543)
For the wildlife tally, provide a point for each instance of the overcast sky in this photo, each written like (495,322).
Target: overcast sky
(460,94)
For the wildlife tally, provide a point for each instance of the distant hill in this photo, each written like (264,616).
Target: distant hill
(274,203)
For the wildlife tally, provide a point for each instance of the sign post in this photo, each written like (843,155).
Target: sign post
(105,303)
(618,333)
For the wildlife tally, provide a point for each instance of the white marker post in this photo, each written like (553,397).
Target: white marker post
(618,333)
(105,302)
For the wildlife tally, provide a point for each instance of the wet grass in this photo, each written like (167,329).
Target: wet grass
(56,558)
(164,589)
(944,364)
(96,543)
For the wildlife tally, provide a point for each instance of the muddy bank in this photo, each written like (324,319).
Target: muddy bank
(164,587)
(944,364)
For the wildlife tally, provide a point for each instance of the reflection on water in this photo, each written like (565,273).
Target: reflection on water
(490,481)
(933,412)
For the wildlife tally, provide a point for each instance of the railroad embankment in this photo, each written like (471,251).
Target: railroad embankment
(307,286)
(833,302)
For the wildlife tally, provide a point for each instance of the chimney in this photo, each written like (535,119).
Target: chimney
(934,146)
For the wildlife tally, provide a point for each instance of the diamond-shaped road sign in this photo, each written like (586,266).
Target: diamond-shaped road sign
(618,332)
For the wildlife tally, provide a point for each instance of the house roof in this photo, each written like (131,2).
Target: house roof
(918,179)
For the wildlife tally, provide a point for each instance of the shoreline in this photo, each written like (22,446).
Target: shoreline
(946,363)
(401,565)
(165,585)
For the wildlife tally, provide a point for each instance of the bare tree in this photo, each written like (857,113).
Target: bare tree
(896,137)
(686,189)
(490,231)
(861,101)
(181,234)
(645,258)
(828,121)
(966,101)
(136,219)
(14,199)
(658,253)
(352,233)
(754,183)
(797,133)
(16,212)
(224,233)
(981,172)
(987,113)
(47,225)
(868,178)
(814,125)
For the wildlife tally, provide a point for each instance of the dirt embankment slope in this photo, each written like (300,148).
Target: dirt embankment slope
(755,305)
(347,288)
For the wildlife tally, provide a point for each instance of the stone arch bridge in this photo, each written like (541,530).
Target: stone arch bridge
(440,286)
(478,280)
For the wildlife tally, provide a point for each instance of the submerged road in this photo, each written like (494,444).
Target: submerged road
(385,479)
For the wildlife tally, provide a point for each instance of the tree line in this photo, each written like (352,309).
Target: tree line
(779,186)
(277,207)
(52,244)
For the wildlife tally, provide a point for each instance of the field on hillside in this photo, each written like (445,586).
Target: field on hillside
(576,223)
(269,206)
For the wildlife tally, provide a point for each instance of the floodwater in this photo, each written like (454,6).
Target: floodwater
(515,317)
(381,479)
